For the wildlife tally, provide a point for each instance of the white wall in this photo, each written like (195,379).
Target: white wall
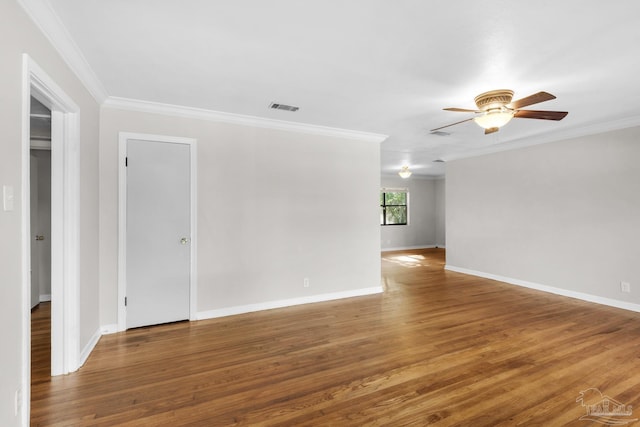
(274,207)
(441,229)
(563,214)
(422,230)
(18,35)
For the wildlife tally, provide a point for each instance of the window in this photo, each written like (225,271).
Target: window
(393,206)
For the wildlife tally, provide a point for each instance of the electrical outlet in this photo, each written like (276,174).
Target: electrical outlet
(625,287)
(305,283)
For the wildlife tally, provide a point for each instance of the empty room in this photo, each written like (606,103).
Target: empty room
(305,213)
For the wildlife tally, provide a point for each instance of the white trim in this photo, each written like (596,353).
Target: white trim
(408,248)
(93,341)
(553,136)
(193,290)
(123,137)
(550,289)
(45,18)
(65,220)
(26,243)
(57,251)
(239,119)
(69,144)
(122,233)
(111,328)
(44,298)
(65,216)
(415,174)
(269,305)
(394,190)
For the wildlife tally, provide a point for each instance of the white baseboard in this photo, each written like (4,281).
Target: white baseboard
(86,351)
(550,289)
(408,248)
(249,308)
(45,297)
(109,329)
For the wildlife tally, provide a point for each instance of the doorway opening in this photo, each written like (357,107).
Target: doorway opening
(40,212)
(64,235)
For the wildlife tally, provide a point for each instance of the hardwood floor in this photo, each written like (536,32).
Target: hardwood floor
(437,347)
(41,343)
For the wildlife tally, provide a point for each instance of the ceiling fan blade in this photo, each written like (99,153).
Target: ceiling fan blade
(537,114)
(461,110)
(452,124)
(491,130)
(530,100)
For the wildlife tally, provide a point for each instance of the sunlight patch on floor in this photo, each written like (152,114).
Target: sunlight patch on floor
(409,261)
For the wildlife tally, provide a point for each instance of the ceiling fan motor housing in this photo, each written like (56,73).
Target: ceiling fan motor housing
(496,108)
(495,99)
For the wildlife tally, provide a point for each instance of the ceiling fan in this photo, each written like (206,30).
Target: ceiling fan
(495,109)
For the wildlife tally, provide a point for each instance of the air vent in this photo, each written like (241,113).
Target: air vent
(284,107)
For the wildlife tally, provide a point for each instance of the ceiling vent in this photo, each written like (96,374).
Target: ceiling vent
(284,107)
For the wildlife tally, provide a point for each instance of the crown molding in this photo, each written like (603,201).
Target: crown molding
(414,176)
(45,18)
(238,119)
(566,134)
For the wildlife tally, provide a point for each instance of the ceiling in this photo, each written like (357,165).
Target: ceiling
(371,65)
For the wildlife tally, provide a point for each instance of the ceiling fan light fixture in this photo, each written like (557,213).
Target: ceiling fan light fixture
(496,108)
(404,172)
(494,119)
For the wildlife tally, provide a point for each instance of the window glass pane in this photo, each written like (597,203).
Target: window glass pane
(393,208)
(396,198)
(396,214)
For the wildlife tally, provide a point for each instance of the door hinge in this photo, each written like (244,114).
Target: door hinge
(125,301)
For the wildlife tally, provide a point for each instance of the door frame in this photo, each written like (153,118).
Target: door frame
(65,220)
(123,138)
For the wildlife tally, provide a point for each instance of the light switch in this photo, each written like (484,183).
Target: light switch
(7,197)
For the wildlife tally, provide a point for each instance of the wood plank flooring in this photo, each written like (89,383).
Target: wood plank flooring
(437,348)
(41,343)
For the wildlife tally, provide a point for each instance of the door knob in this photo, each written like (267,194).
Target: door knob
(184,241)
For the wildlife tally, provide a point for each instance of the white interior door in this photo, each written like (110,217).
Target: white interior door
(158,244)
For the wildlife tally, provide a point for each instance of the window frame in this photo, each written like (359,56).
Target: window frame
(384,205)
